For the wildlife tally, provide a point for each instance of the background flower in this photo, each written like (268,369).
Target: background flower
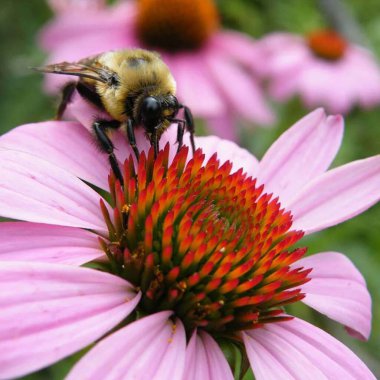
(65,301)
(323,69)
(207,62)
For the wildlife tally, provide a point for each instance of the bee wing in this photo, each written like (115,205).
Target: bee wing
(84,69)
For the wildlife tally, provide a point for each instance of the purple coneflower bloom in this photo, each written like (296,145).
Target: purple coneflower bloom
(207,62)
(187,251)
(323,69)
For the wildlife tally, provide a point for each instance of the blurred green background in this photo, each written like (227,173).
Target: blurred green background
(23,101)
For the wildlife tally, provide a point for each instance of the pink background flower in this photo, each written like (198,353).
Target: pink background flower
(292,69)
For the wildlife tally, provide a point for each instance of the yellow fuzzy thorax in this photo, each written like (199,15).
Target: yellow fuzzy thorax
(139,72)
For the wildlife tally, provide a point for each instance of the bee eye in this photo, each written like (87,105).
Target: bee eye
(172,101)
(150,110)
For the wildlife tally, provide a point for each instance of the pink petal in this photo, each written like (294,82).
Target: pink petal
(298,350)
(228,151)
(338,86)
(123,149)
(367,76)
(342,84)
(75,5)
(70,26)
(284,87)
(248,101)
(34,190)
(240,47)
(280,60)
(150,348)
(327,84)
(223,126)
(338,290)
(49,311)
(67,145)
(337,195)
(303,152)
(21,241)
(205,360)
(195,87)
(83,112)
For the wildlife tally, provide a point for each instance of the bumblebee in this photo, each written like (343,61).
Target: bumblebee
(135,87)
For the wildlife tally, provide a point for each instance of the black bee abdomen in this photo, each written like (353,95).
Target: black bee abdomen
(90,95)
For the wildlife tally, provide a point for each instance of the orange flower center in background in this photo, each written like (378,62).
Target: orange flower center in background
(327,44)
(204,242)
(176,24)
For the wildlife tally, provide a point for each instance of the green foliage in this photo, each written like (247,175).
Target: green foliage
(22,100)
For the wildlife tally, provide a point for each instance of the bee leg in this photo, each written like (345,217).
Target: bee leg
(132,138)
(190,126)
(100,129)
(181,126)
(67,94)
(154,142)
(180,133)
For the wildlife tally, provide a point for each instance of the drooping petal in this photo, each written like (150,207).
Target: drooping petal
(24,241)
(338,290)
(337,195)
(35,190)
(279,61)
(248,101)
(66,144)
(228,151)
(296,349)
(205,360)
(342,84)
(123,148)
(285,86)
(240,47)
(223,126)
(72,24)
(303,152)
(337,85)
(153,347)
(49,311)
(59,6)
(367,78)
(195,85)
(83,112)
(321,83)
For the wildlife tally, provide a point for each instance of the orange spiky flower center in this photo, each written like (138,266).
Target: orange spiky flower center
(205,243)
(175,25)
(327,44)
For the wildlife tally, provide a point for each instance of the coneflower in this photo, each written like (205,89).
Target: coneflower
(186,253)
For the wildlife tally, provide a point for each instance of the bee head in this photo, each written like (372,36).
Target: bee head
(154,110)
(151,112)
